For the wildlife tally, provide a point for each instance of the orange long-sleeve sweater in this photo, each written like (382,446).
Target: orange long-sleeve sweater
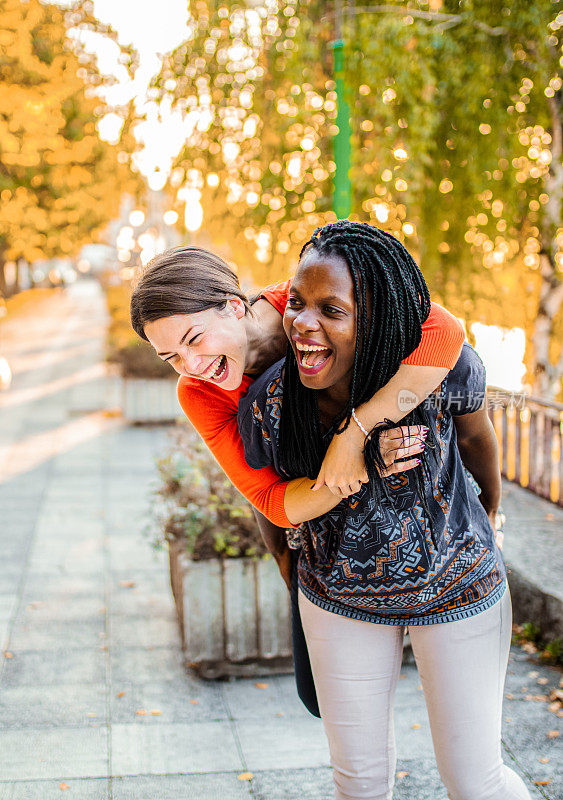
(213,411)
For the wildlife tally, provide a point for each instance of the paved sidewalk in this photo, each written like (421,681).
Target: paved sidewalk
(94,700)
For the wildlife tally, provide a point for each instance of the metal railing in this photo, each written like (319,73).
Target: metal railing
(529,432)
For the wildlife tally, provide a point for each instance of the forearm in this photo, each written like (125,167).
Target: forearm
(480,456)
(302,504)
(407,389)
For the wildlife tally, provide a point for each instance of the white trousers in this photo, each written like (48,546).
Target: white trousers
(462,666)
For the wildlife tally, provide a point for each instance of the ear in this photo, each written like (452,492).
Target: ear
(237,307)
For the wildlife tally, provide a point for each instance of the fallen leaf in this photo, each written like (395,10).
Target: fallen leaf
(261,685)
(533,674)
(528,647)
(509,696)
(120,694)
(556,694)
(549,517)
(194,702)
(553,734)
(524,689)
(543,681)
(63,786)
(91,714)
(419,687)
(554,707)
(141,712)
(544,760)
(528,697)
(127,584)
(542,783)
(245,776)
(7,654)
(416,726)
(402,676)
(280,714)
(155,712)
(508,719)
(401,775)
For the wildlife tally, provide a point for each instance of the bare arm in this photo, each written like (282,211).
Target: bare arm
(344,461)
(477,444)
(418,375)
(301,504)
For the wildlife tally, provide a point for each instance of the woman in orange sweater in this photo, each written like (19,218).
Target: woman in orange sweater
(188,304)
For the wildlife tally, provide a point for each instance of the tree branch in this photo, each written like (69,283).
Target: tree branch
(444,20)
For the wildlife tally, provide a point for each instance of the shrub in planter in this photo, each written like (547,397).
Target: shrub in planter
(232,605)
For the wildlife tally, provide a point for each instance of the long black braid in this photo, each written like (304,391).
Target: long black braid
(386,278)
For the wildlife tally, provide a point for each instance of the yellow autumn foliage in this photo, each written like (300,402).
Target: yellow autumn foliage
(60,184)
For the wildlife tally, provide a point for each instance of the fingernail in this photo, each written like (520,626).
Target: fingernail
(425,434)
(417,461)
(425,428)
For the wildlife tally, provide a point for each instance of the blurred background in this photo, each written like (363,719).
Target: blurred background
(129,127)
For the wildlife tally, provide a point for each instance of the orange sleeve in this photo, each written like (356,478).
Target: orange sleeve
(277,294)
(442,339)
(215,419)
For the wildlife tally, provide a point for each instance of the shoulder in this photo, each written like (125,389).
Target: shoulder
(277,295)
(267,387)
(204,404)
(466,384)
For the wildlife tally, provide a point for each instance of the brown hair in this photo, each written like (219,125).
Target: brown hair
(183,280)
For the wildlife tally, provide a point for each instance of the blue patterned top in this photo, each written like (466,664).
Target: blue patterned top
(387,566)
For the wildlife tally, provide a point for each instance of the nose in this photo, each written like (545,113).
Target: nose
(191,362)
(306,320)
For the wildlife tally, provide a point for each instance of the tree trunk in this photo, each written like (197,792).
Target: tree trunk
(547,376)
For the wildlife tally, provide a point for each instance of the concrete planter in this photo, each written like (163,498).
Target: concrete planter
(149,400)
(234,615)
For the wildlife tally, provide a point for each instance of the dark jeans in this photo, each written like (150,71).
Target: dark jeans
(302,665)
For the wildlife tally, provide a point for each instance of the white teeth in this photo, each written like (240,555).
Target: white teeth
(309,348)
(217,369)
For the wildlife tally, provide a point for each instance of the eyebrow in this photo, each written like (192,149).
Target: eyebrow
(333,298)
(182,340)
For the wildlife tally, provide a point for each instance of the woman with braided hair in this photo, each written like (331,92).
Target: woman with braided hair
(415,550)
(188,304)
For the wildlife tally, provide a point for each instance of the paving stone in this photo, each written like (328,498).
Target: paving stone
(144,632)
(153,580)
(97,789)
(52,706)
(269,742)
(55,667)
(39,586)
(172,748)
(246,701)
(218,786)
(37,753)
(136,602)
(60,607)
(187,700)
(140,665)
(52,635)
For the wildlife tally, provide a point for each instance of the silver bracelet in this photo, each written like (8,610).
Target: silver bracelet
(358,423)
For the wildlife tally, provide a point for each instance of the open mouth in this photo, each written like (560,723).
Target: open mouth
(220,370)
(312,358)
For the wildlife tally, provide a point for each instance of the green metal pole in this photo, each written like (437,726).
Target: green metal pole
(342,188)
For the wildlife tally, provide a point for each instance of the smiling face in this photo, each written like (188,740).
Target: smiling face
(320,323)
(209,345)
